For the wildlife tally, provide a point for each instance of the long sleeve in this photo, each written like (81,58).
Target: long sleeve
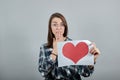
(79,70)
(85,71)
(72,72)
(50,70)
(46,64)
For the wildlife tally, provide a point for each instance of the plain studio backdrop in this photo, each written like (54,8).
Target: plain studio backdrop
(24,26)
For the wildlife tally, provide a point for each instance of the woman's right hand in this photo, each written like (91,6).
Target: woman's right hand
(58,37)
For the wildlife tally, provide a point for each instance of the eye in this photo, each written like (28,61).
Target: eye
(54,25)
(62,24)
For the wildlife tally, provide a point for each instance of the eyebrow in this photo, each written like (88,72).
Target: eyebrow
(54,22)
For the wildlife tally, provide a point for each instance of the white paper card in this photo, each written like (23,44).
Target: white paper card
(75,53)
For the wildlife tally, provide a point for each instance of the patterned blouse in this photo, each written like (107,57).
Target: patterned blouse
(50,70)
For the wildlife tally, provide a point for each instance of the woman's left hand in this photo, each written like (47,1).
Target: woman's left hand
(95,51)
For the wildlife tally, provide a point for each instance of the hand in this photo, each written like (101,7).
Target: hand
(54,46)
(58,37)
(95,51)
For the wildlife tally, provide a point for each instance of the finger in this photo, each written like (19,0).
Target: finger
(92,50)
(94,43)
(57,34)
(95,52)
(95,57)
(59,38)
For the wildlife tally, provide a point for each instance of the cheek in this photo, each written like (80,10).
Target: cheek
(53,30)
(63,30)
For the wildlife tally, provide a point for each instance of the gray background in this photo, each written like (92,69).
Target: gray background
(23,27)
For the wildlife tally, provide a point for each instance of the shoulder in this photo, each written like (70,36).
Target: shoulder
(43,46)
(68,39)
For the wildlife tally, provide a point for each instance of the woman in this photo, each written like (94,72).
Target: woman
(48,64)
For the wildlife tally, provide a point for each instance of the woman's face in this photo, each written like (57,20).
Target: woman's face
(57,27)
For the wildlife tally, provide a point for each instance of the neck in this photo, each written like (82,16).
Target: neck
(61,38)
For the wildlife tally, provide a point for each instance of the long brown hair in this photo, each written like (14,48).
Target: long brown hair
(50,34)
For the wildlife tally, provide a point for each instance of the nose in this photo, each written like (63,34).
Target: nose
(58,27)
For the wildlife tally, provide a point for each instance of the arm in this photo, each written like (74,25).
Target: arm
(83,70)
(87,70)
(46,64)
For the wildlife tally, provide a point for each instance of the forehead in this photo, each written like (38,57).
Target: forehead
(56,20)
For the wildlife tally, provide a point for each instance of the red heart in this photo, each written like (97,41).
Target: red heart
(75,53)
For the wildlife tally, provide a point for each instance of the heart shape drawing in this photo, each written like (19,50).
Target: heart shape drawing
(75,53)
